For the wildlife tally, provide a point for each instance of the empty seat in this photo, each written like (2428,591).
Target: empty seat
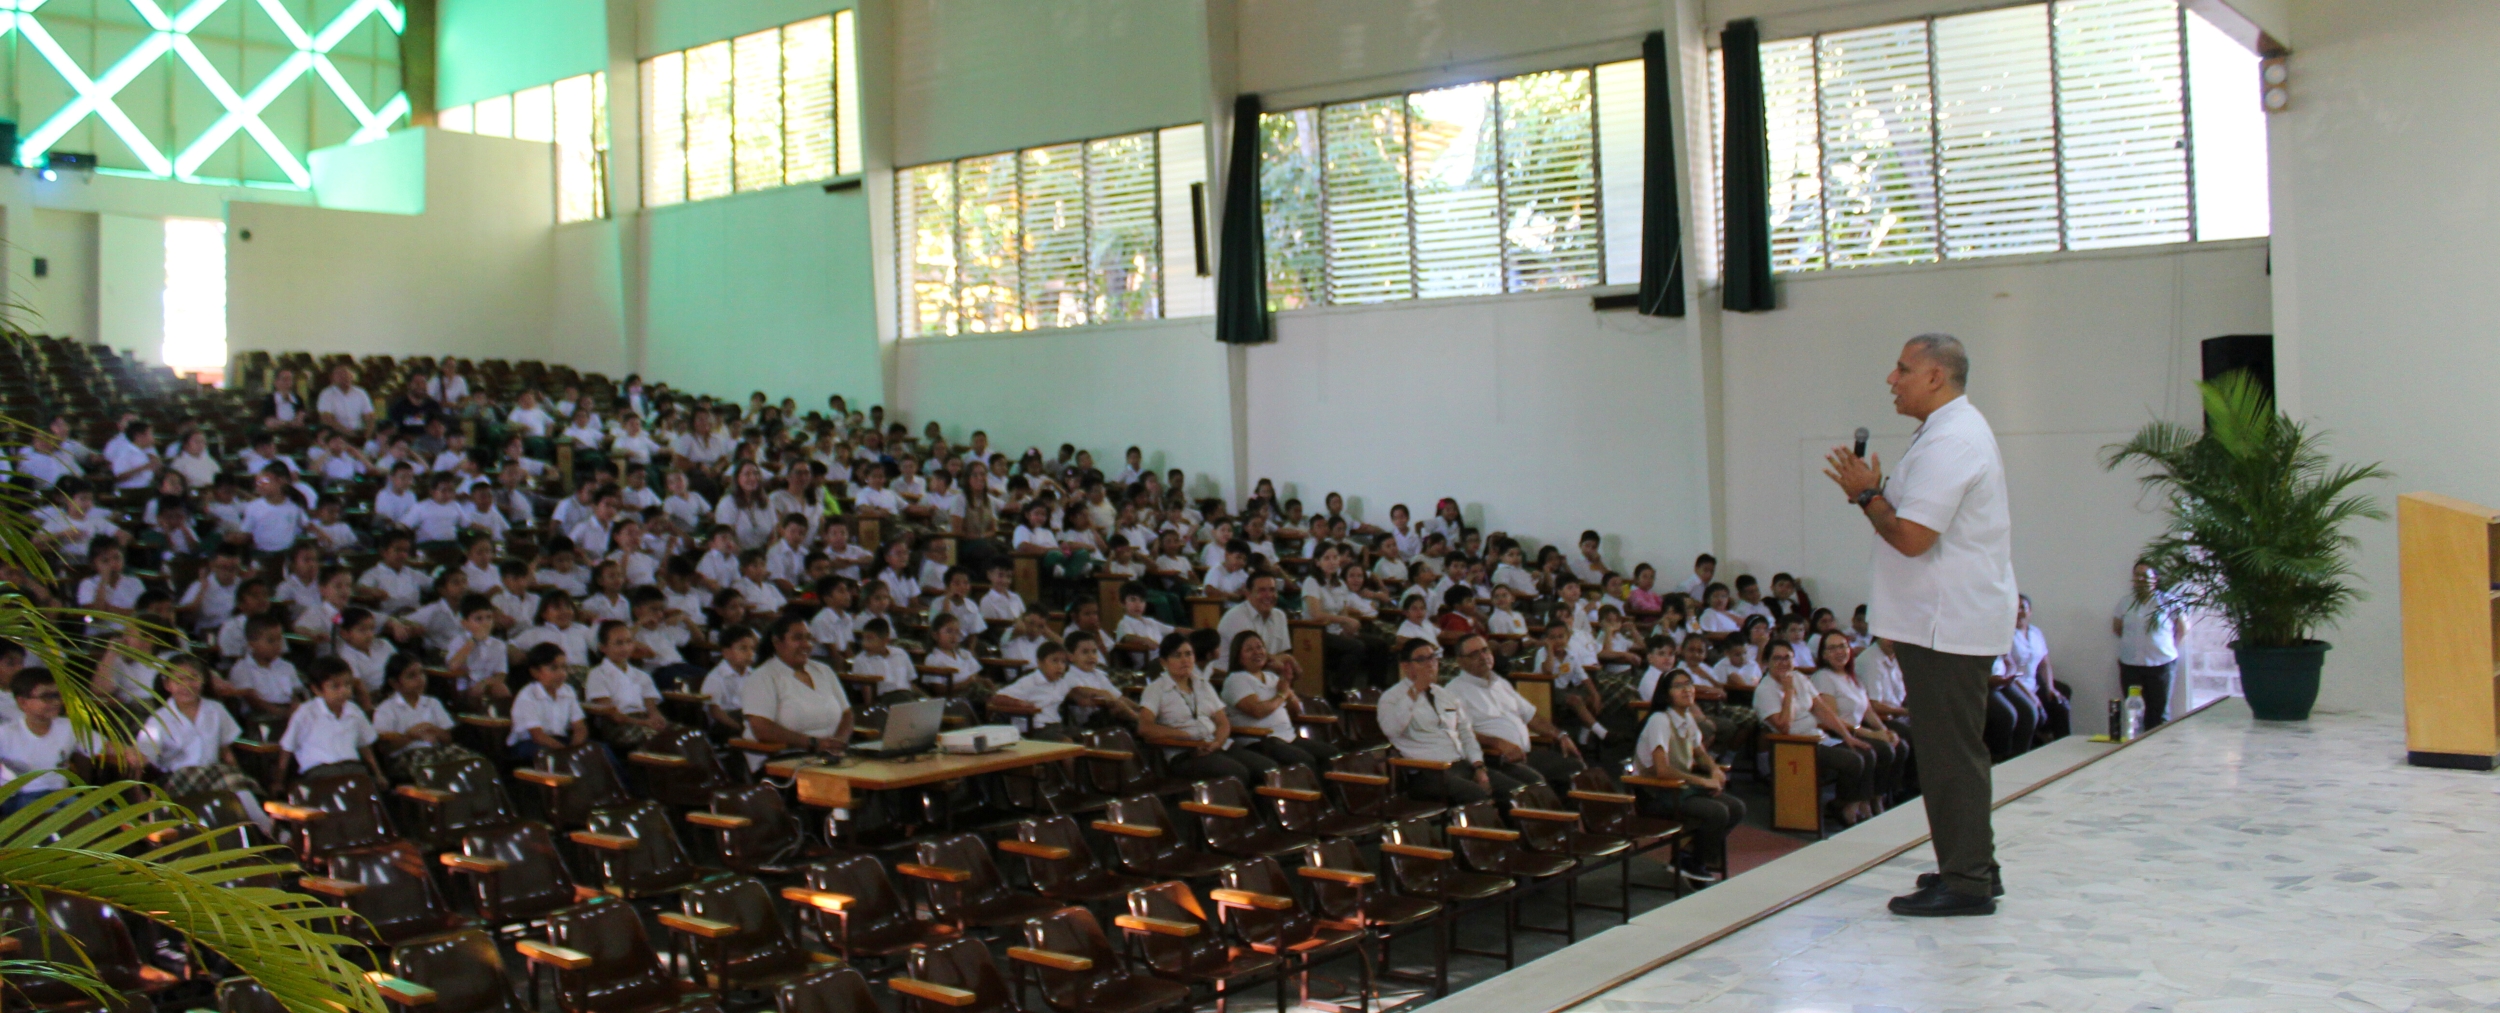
(1233,826)
(737,934)
(391,889)
(1301,806)
(517,873)
(854,908)
(636,850)
(1061,866)
(963,884)
(604,964)
(464,968)
(1080,972)
(1142,833)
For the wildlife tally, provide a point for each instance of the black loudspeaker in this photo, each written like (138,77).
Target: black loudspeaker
(2252,352)
(8,141)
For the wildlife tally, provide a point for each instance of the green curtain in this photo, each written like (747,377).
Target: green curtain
(1241,316)
(1662,221)
(1747,202)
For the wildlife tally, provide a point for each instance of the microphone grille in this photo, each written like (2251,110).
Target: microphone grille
(1861,434)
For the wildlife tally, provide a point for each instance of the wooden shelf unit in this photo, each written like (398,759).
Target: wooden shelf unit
(2449,559)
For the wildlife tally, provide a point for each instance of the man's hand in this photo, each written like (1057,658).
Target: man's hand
(1569,748)
(1510,751)
(1852,474)
(1483,780)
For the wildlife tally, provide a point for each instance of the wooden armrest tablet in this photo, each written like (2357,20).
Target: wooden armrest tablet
(1648,781)
(1482,833)
(1052,959)
(1170,741)
(717,821)
(1127,829)
(753,746)
(1307,624)
(257,748)
(681,696)
(1247,898)
(292,813)
(1414,764)
(1315,719)
(427,796)
(1030,849)
(1603,796)
(1415,851)
(825,900)
(553,955)
(1248,732)
(691,925)
(1357,705)
(649,759)
(1348,877)
(329,887)
(484,721)
(931,991)
(1158,926)
(862,679)
(1349,777)
(473,864)
(1548,815)
(1289,794)
(604,842)
(545,778)
(1120,755)
(1805,739)
(1230,812)
(401,990)
(934,873)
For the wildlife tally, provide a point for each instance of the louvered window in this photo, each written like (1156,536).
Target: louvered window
(2030,129)
(768,109)
(573,115)
(1056,236)
(1526,183)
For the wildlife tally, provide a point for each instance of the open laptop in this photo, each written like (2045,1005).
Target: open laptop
(910,728)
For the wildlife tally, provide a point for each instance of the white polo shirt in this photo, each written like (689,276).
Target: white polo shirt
(315,735)
(171,741)
(532,707)
(624,687)
(1494,707)
(1275,629)
(1958,597)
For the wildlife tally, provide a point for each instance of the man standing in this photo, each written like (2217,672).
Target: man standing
(1943,593)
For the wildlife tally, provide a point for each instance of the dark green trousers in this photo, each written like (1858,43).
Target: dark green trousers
(1949,704)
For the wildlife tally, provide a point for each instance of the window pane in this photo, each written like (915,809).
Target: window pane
(1794,130)
(1054,236)
(494,116)
(534,114)
(2125,135)
(1879,181)
(456,118)
(807,100)
(757,98)
(1453,174)
(708,122)
(599,145)
(924,207)
(1370,247)
(1120,208)
(1182,154)
(1997,132)
(2228,134)
(664,130)
(1622,154)
(846,95)
(576,154)
(986,245)
(1549,182)
(1289,202)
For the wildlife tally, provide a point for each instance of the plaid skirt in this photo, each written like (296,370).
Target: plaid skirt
(403,765)
(207,778)
(625,735)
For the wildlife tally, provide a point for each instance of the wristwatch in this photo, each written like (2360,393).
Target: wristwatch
(1866,496)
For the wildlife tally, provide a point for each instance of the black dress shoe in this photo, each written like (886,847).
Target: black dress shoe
(1938,902)
(1996,882)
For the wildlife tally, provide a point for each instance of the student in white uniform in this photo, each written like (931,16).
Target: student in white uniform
(724,685)
(547,714)
(616,686)
(328,736)
(1672,745)
(1032,703)
(39,740)
(898,679)
(412,729)
(190,741)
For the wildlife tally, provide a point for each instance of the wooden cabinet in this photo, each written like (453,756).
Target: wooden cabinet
(2449,559)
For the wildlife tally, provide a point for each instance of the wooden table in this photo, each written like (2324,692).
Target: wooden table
(831,787)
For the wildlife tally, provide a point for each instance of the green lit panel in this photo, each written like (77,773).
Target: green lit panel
(204,90)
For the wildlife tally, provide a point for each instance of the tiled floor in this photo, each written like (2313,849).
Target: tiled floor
(2221,866)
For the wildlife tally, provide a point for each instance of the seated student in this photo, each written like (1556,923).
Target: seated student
(1343,649)
(607,599)
(1789,705)
(110,588)
(957,602)
(1673,745)
(263,677)
(1792,631)
(328,736)
(1229,579)
(678,583)
(664,637)
(1567,660)
(1138,633)
(515,604)
(1032,703)
(1738,670)
(558,569)
(933,564)
(1738,725)
(329,528)
(1414,620)
(435,521)
(39,740)
(835,542)
(479,512)
(1749,601)
(755,585)
(546,714)
(190,741)
(209,601)
(897,677)
(1001,605)
(413,730)
(1887,756)
(794,701)
(1180,707)
(1717,620)
(394,585)
(478,660)
(628,703)
(947,651)
(719,566)
(358,643)
(725,703)
(556,626)
(1098,701)
(785,557)
(1261,699)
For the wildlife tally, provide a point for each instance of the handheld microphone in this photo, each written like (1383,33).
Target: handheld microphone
(1860,450)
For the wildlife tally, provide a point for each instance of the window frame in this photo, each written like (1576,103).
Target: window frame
(841,97)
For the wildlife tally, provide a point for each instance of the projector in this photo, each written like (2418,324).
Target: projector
(979,739)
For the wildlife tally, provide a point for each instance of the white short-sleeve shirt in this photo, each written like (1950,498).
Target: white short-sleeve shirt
(316,735)
(624,687)
(1189,712)
(1958,597)
(172,741)
(396,715)
(533,707)
(775,694)
(1239,686)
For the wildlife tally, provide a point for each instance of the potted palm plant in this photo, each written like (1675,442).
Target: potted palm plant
(2256,534)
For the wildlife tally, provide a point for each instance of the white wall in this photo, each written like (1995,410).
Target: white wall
(130,284)
(1540,416)
(471,276)
(589,299)
(2386,230)
(1156,386)
(764,291)
(2068,353)
(972,77)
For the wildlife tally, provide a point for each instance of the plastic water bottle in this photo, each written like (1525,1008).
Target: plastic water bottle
(2132,724)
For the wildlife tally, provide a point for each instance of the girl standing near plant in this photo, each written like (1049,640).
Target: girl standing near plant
(2148,623)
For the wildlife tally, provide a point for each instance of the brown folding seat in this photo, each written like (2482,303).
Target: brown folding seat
(1232,826)
(1079,972)
(963,886)
(1263,909)
(1422,865)
(737,936)
(758,835)
(604,964)
(577,779)
(243,995)
(518,875)
(680,769)
(1346,894)
(1144,837)
(829,989)
(636,850)
(1116,767)
(1545,826)
(445,800)
(463,969)
(1168,925)
(1294,795)
(855,909)
(327,815)
(1363,783)
(1606,808)
(1061,866)
(1046,789)
(85,934)
(392,891)
(954,977)
(1358,723)
(1491,848)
